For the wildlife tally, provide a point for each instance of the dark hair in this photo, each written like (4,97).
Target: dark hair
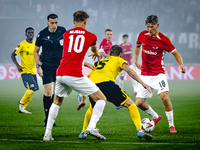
(153,19)
(125,35)
(28,29)
(80,16)
(107,30)
(52,16)
(115,50)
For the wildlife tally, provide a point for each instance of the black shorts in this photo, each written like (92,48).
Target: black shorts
(30,81)
(113,93)
(49,75)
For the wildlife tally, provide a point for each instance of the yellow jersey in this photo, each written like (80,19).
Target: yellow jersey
(26,51)
(107,69)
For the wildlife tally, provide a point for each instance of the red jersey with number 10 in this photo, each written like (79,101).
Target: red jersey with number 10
(76,42)
(153,50)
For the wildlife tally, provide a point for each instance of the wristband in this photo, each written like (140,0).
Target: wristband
(38,65)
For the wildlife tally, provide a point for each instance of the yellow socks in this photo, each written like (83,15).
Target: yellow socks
(135,116)
(87,118)
(27,97)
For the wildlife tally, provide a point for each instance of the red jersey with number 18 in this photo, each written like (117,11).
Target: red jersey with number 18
(76,42)
(153,50)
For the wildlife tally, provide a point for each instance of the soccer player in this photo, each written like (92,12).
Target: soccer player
(51,40)
(104,48)
(69,74)
(127,55)
(26,68)
(104,77)
(106,43)
(154,45)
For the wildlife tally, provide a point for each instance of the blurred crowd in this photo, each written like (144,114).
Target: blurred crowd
(122,16)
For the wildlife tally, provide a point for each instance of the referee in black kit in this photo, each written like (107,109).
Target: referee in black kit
(51,40)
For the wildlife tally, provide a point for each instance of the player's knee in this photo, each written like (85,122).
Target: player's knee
(165,100)
(47,92)
(139,102)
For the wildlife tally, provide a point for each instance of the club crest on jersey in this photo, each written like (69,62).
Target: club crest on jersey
(48,37)
(155,47)
(61,42)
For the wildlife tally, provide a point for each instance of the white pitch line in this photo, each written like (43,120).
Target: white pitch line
(103,142)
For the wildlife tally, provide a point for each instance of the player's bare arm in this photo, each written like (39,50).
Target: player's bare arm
(91,66)
(134,75)
(95,53)
(19,68)
(179,60)
(37,61)
(136,56)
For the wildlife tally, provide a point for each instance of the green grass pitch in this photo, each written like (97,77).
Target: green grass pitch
(25,131)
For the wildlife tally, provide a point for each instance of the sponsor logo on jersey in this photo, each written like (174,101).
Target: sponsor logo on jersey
(149,52)
(61,42)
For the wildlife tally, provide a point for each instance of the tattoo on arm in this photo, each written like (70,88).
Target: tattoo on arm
(135,77)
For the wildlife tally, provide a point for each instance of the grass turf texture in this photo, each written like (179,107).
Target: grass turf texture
(25,131)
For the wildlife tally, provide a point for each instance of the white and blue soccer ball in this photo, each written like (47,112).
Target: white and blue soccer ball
(147,125)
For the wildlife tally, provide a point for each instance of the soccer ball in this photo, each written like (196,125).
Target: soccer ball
(147,125)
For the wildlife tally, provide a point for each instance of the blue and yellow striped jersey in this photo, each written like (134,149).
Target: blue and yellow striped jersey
(107,69)
(26,51)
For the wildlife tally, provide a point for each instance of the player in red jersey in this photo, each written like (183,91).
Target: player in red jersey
(69,74)
(104,49)
(106,43)
(154,45)
(128,56)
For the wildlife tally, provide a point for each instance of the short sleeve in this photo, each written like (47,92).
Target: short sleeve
(138,42)
(101,46)
(121,62)
(38,40)
(168,45)
(18,49)
(95,40)
(130,46)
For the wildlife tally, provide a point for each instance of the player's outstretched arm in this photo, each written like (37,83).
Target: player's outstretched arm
(19,68)
(179,60)
(134,75)
(95,53)
(136,56)
(37,61)
(91,66)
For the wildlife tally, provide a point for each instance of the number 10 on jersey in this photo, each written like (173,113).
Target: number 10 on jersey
(75,41)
